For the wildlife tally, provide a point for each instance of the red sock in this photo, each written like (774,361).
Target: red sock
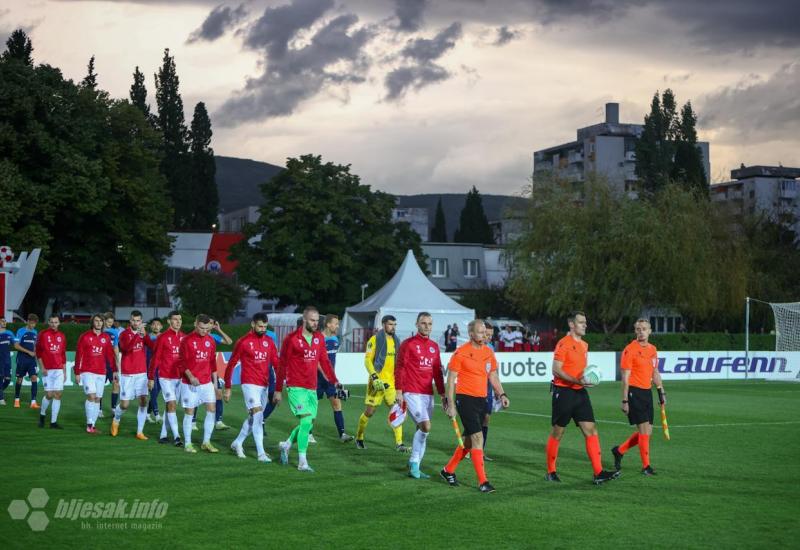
(552,453)
(476,455)
(644,450)
(632,441)
(458,456)
(593,450)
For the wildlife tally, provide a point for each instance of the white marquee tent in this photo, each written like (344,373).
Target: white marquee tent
(404,296)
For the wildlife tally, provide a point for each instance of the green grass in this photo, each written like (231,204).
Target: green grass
(721,486)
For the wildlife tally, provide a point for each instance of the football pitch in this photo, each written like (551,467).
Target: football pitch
(730,477)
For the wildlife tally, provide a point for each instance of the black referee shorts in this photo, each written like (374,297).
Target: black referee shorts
(569,404)
(640,405)
(471,410)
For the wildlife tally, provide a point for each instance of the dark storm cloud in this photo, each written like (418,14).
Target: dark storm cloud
(505,35)
(292,75)
(409,14)
(217,22)
(758,110)
(422,52)
(277,26)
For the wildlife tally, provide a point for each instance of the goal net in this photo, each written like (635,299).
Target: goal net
(787,326)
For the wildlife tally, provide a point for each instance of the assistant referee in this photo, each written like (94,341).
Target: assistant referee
(470,367)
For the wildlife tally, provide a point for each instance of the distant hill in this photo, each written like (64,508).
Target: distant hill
(238,183)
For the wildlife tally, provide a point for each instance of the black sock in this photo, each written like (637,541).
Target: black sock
(17,389)
(114,400)
(485,431)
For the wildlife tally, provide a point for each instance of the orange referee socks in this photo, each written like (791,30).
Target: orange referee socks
(476,455)
(632,441)
(458,456)
(644,449)
(593,450)
(552,453)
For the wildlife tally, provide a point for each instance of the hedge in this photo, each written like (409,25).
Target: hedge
(697,341)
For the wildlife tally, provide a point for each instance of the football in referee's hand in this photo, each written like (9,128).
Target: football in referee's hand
(591,375)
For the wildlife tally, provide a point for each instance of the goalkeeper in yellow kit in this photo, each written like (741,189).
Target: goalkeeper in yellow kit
(379,361)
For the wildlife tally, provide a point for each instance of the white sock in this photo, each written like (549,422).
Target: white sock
(45,404)
(302,461)
(418,446)
(173,424)
(244,432)
(258,431)
(163,429)
(118,412)
(95,412)
(88,408)
(54,410)
(208,427)
(141,416)
(187,429)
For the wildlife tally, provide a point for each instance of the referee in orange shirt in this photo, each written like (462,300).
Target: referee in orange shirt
(639,367)
(470,367)
(571,400)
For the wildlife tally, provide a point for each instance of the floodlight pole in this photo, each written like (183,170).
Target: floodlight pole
(746,336)
(363,288)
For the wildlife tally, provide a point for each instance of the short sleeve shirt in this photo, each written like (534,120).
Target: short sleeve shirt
(573,354)
(473,366)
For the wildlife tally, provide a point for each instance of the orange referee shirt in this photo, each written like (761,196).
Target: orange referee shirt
(473,366)
(641,361)
(573,354)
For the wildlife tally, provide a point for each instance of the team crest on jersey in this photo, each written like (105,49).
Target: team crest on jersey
(208,344)
(58,339)
(430,349)
(316,340)
(264,343)
(102,340)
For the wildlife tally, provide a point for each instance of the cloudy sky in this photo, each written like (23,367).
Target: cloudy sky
(438,95)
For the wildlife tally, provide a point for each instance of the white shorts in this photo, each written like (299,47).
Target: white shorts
(170,388)
(54,381)
(93,383)
(254,396)
(192,396)
(419,406)
(132,386)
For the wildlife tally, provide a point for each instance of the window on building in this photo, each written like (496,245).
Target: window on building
(752,193)
(471,268)
(439,267)
(173,275)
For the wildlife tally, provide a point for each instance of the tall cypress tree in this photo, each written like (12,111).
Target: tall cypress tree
(473,225)
(203,169)
(171,122)
(90,80)
(19,47)
(688,168)
(439,231)
(138,93)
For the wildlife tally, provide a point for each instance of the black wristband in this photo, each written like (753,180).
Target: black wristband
(624,400)
(503,395)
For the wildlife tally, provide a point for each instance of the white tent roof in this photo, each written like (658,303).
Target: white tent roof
(404,296)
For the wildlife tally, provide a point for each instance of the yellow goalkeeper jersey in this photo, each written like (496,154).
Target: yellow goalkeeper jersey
(387,373)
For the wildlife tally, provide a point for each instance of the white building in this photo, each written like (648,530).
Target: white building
(608,148)
(772,190)
(457,268)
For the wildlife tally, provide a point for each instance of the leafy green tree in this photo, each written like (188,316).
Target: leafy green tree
(613,256)
(175,162)
(19,47)
(83,170)
(473,226)
(138,93)
(439,231)
(214,294)
(203,171)
(321,236)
